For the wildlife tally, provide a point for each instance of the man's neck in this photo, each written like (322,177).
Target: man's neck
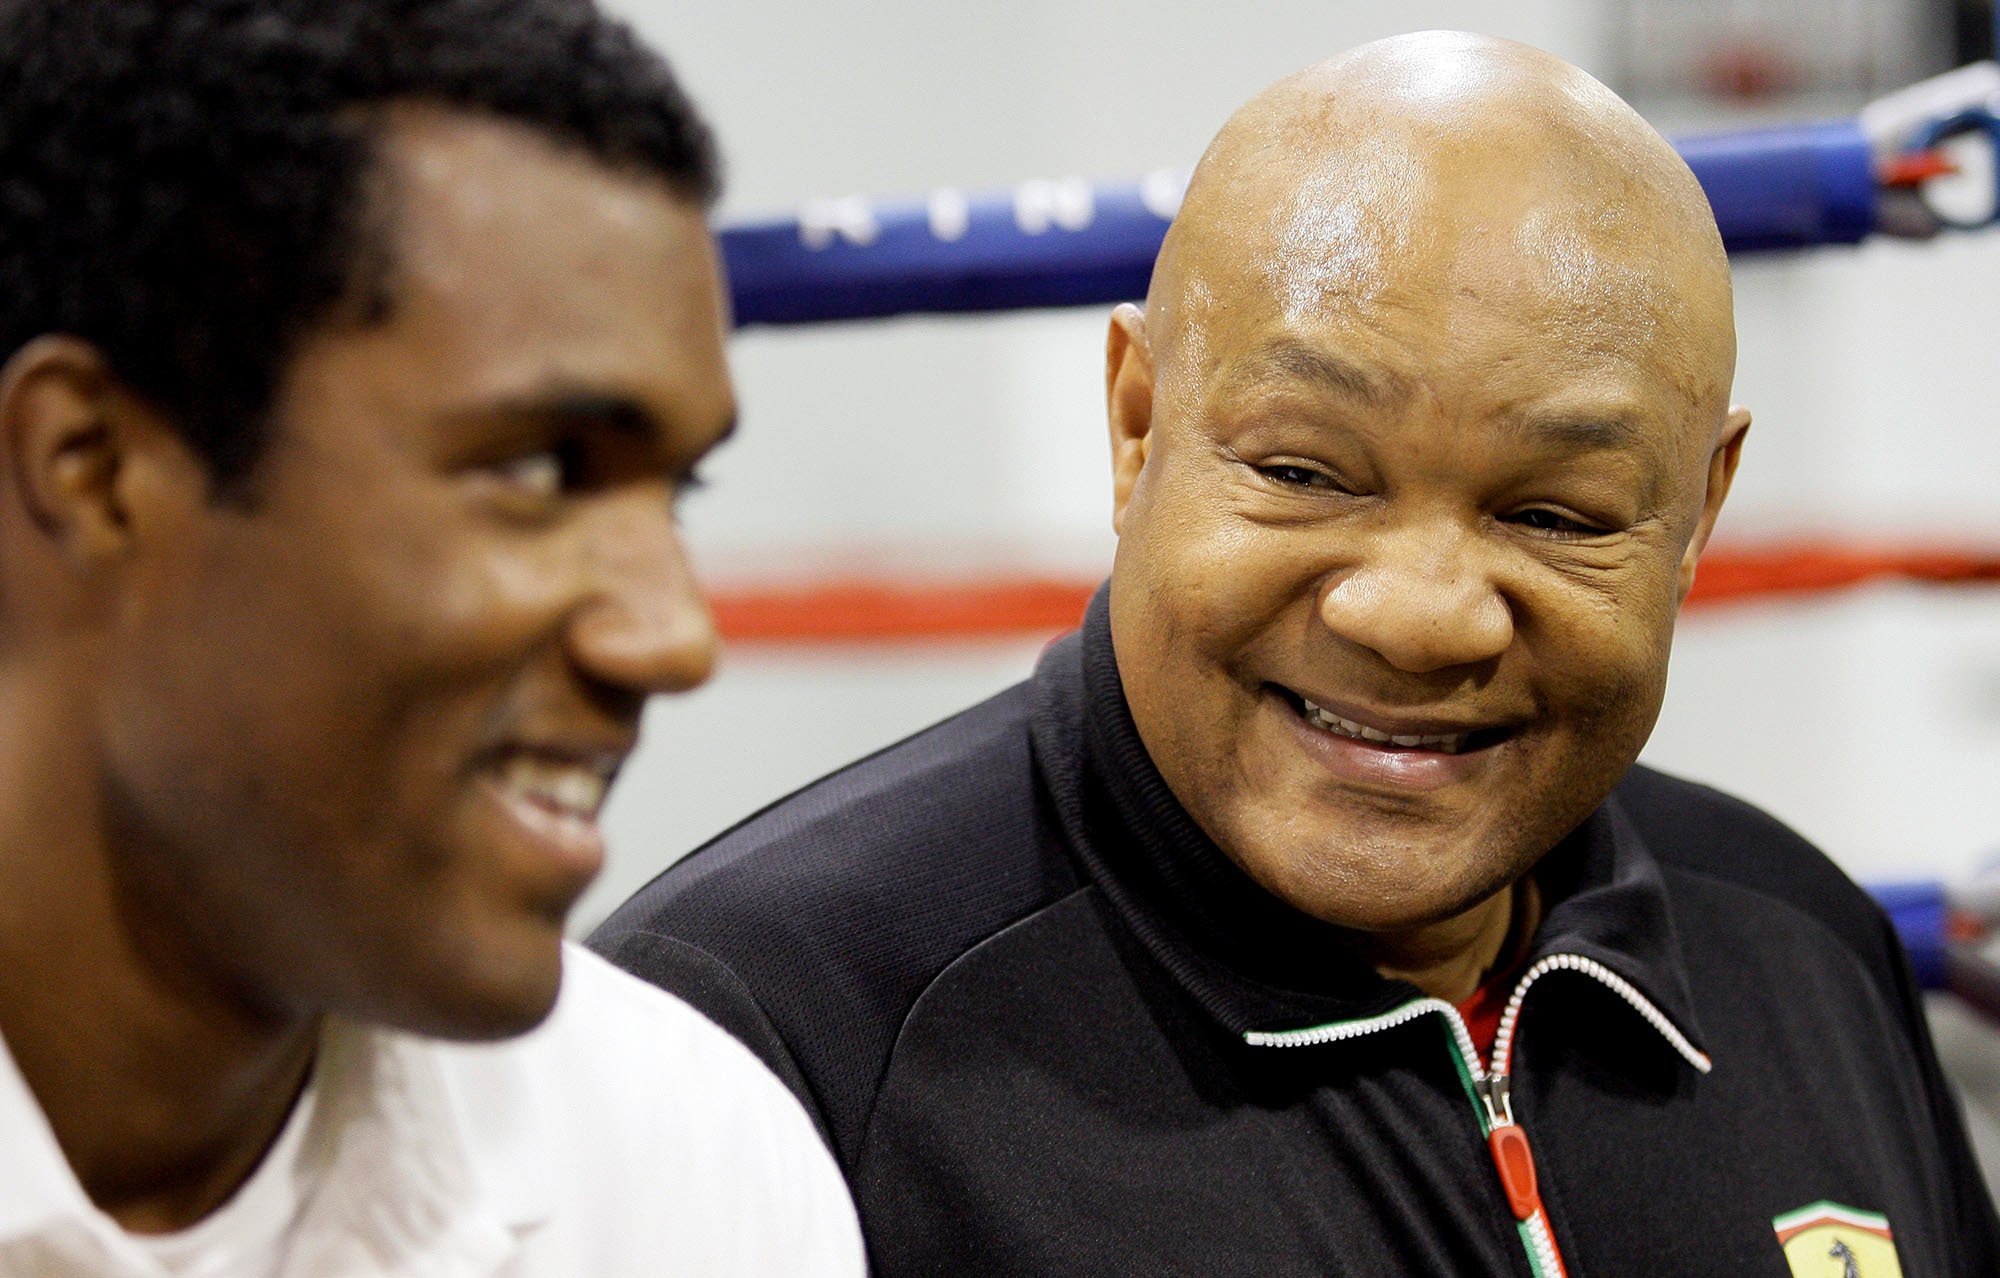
(163,1090)
(159,1141)
(1452,959)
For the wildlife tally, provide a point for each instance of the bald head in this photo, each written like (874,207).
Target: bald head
(1415,444)
(1450,160)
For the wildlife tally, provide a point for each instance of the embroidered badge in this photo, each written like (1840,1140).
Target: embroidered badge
(1827,1240)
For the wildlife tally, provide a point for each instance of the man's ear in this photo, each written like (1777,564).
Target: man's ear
(1721,473)
(1128,388)
(68,426)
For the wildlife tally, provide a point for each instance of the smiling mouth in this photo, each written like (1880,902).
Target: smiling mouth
(569,788)
(1437,742)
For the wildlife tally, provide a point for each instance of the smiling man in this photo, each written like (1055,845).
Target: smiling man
(1305,913)
(355,356)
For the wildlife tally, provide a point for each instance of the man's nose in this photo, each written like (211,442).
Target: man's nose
(1423,596)
(644,625)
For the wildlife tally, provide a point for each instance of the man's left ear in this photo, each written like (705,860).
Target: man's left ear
(1721,473)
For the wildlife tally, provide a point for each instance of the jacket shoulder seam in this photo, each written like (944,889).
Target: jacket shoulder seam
(1869,964)
(902,1026)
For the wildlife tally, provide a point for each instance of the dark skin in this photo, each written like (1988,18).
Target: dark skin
(335,745)
(1416,443)
(151,1081)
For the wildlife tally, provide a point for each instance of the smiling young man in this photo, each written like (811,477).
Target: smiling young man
(355,356)
(1305,913)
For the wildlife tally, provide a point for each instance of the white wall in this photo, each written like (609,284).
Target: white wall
(1871,721)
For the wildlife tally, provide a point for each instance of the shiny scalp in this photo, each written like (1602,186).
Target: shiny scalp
(1326,185)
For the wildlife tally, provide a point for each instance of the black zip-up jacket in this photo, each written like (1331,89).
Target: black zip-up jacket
(1050,1029)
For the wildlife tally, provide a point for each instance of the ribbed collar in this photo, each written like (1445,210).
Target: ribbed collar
(1244,957)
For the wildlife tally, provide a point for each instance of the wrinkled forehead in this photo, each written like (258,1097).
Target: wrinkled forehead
(1385,238)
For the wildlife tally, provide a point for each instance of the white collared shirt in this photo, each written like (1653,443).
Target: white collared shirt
(250,1233)
(627,1135)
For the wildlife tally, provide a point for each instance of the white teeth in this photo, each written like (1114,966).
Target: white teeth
(1353,729)
(1443,743)
(567,787)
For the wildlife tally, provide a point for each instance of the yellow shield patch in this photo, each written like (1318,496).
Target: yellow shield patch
(1827,1240)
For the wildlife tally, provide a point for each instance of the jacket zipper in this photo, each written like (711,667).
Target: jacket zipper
(1513,1157)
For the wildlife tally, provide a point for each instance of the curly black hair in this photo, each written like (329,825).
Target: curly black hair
(183,182)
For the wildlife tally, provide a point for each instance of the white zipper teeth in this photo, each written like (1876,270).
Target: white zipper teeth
(1547,1261)
(1541,1240)
(1339,1031)
(1503,1042)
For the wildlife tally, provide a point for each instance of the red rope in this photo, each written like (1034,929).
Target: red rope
(1739,574)
(873,610)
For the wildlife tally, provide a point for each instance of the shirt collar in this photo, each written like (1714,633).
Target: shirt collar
(407,1164)
(417,1166)
(38,1189)
(1243,957)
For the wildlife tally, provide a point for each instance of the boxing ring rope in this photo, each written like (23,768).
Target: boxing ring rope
(1072,242)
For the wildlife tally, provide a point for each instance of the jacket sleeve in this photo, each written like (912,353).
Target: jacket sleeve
(1966,1205)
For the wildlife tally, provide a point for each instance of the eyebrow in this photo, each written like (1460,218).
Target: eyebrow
(1300,362)
(1303,362)
(618,414)
(1586,432)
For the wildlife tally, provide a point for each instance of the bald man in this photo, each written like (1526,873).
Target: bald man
(1305,913)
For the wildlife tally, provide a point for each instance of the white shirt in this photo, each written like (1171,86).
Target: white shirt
(250,1233)
(626,1135)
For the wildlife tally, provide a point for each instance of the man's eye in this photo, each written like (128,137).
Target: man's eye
(1297,476)
(542,474)
(1544,520)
